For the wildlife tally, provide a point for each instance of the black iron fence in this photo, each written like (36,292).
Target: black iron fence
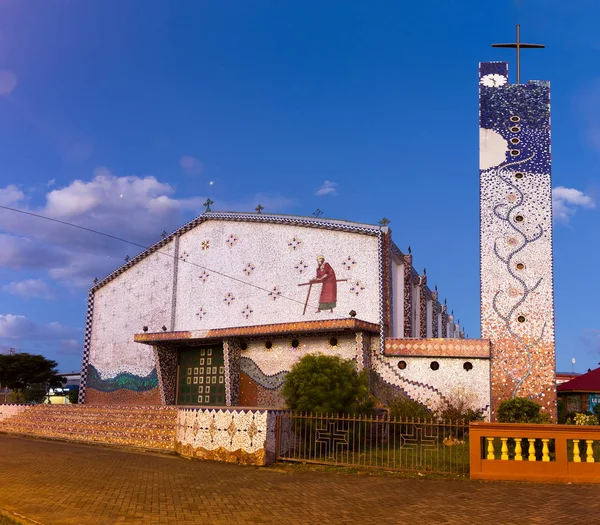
(428,446)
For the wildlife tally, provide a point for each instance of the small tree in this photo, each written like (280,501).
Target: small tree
(27,374)
(521,410)
(327,384)
(73,396)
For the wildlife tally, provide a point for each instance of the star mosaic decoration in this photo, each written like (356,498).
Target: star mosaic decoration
(205,245)
(204,275)
(295,243)
(349,263)
(356,287)
(231,240)
(247,312)
(248,269)
(184,256)
(201,313)
(301,267)
(229,298)
(275,293)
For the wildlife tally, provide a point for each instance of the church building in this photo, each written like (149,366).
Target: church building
(217,313)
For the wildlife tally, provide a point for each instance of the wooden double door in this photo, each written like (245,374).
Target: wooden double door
(201,378)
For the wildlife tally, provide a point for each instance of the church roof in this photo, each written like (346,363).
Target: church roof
(298,220)
(589,382)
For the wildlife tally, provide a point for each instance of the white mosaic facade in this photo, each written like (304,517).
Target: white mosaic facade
(244,274)
(435,388)
(282,357)
(141,296)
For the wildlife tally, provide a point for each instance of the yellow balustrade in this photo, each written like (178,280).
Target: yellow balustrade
(518,450)
(504,456)
(576,456)
(541,452)
(545,450)
(589,451)
(531,449)
(490,448)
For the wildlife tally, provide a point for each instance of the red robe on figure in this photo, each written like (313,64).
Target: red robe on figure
(326,275)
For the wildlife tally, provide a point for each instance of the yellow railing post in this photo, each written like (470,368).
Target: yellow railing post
(504,456)
(518,450)
(545,450)
(490,448)
(589,451)
(576,456)
(531,449)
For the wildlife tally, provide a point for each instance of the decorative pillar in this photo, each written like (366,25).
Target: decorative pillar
(517,298)
(231,355)
(408,299)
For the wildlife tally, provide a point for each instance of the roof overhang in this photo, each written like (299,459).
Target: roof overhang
(304,327)
(465,348)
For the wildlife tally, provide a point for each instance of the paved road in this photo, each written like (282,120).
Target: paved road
(62,483)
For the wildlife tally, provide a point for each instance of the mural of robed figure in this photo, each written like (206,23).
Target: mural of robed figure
(326,276)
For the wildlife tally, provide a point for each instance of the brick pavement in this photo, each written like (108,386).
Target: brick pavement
(63,483)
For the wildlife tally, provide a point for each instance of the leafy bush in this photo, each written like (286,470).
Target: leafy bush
(73,396)
(461,404)
(521,410)
(597,410)
(583,419)
(327,384)
(402,408)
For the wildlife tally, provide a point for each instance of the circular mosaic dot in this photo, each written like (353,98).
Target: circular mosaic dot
(520,266)
(519,218)
(512,241)
(521,319)
(519,175)
(434,365)
(515,118)
(515,140)
(515,129)
(514,152)
(401,365)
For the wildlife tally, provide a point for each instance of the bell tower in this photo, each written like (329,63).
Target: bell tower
(517,295)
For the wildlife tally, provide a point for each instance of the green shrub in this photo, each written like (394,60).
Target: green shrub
(327,385)
(402,408)
(597,410)
(521,410)
(73,396)
(583,419)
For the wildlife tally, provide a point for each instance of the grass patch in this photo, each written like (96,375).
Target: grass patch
(7,520)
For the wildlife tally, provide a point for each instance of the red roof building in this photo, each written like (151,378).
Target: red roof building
(582,392)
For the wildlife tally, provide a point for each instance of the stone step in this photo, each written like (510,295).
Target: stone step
(148,427)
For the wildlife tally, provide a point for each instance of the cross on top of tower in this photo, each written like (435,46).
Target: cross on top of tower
(259,209)
(518,45)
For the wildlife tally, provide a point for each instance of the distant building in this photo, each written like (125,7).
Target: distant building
(581,393)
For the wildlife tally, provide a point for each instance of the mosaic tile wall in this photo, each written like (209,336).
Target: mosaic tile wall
(271,264)
(120,371)
(263,370)
(232,435)
(7,411)
(434,388)
(517,303)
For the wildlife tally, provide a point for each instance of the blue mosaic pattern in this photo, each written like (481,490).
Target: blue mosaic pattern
(516,229)
(252,370)
(124,380)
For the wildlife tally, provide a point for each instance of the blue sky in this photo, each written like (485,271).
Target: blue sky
(124,115)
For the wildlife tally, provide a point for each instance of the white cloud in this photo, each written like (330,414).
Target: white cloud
(20,327)
(191,165)
(70,346)
(328,188)
(8,82)
(30,288)
(566,202)
(10,195)
(132,207)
